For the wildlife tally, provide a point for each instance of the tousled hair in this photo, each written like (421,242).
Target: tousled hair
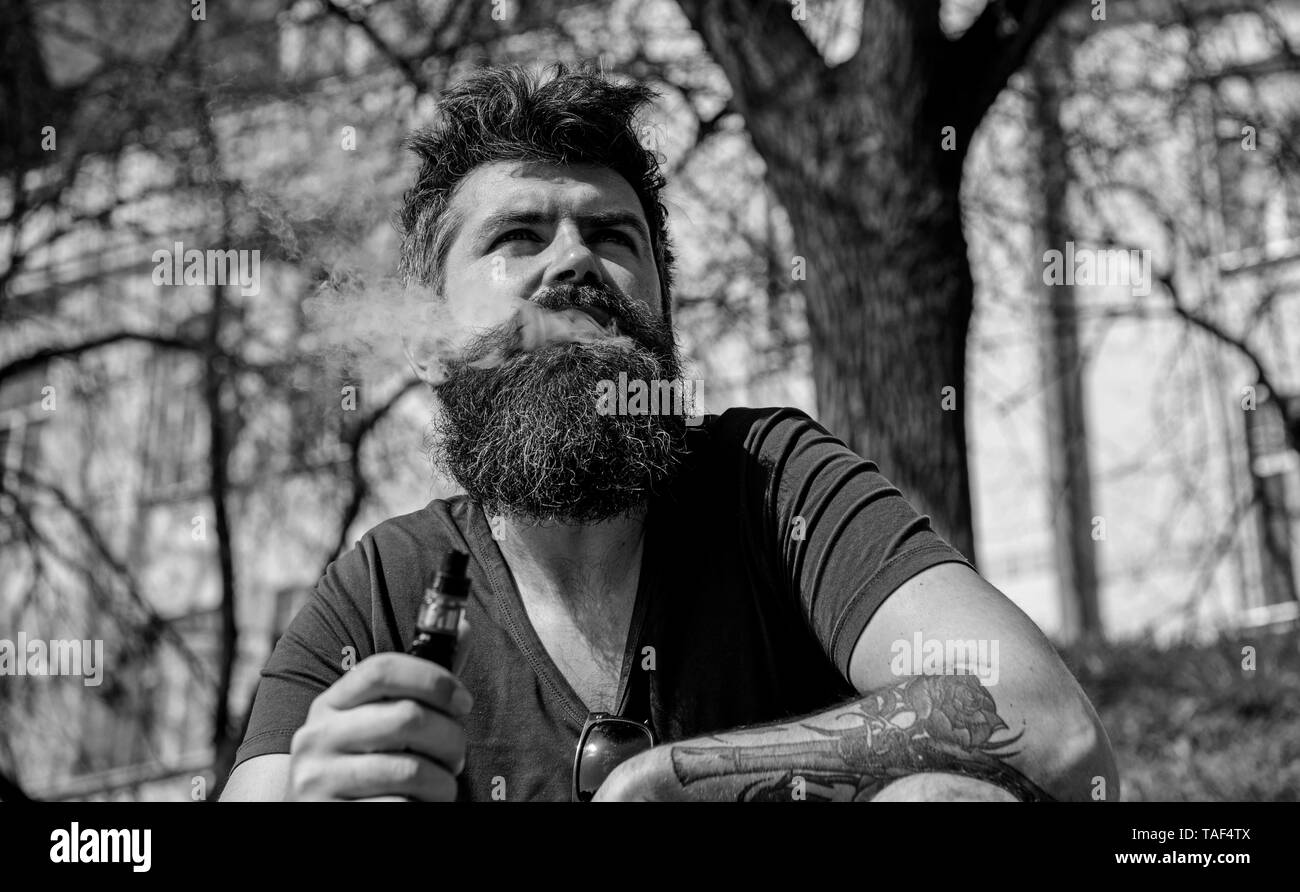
(563,116)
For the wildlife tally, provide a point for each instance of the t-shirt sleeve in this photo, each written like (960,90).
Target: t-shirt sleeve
(840,537)
(309,656)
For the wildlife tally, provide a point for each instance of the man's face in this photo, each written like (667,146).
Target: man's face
(524,226)
(519,428)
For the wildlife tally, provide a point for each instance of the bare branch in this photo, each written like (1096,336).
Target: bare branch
(33,360)
(360,486)
(1284,62)
(763,51)
(1290,421)
(353,15)
(151,617)
(991,50)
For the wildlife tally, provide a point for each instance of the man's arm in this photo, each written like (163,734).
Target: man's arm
(1030,731)
(259,779)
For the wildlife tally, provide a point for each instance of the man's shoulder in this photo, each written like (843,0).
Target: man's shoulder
(725,451)
(748,426)
(743,435)
(440,517)
(407,544)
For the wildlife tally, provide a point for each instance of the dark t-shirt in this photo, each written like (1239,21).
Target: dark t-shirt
(763,562)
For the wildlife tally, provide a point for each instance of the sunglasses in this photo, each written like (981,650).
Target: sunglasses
(606,742)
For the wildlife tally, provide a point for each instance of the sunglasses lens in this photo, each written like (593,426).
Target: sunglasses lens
(608,745)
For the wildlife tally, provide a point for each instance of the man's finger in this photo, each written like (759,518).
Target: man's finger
(394,676)
(392,774)
(397,725)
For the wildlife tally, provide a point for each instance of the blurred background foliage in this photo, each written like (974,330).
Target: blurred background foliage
(1189,724)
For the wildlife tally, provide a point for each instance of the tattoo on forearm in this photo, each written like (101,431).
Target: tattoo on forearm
(927,723)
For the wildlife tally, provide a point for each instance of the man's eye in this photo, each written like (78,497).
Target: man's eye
(514,235)
(616,236)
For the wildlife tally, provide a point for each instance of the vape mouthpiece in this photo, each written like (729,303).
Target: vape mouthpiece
(451,579)
(454,564)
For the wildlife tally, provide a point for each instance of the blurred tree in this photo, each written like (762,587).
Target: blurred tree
(1069,493)
(866,157)
(1212,91)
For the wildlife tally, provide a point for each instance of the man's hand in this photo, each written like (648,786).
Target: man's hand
(386,730)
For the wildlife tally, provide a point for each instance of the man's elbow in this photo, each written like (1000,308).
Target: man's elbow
(1082,766)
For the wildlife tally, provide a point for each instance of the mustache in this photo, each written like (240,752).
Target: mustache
(602,299)
(571,313)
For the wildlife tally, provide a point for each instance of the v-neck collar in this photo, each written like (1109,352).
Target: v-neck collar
(510,604)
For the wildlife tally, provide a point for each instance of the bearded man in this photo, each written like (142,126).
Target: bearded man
(663,606)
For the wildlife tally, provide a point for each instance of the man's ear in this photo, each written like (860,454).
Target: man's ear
(418,342)
(422,362)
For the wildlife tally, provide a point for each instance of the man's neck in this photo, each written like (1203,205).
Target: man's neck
(589,570)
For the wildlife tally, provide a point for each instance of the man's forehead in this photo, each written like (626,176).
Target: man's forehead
(551,189)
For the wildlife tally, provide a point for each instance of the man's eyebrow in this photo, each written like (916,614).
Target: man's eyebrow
(598,220)
(611,219)
(511,218)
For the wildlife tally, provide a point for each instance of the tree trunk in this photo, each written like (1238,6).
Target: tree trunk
(855,154)
(1062,363)
(888,317)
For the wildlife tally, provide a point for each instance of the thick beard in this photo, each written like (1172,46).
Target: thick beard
(526,438)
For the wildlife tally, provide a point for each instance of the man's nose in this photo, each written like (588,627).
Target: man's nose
(574,264)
